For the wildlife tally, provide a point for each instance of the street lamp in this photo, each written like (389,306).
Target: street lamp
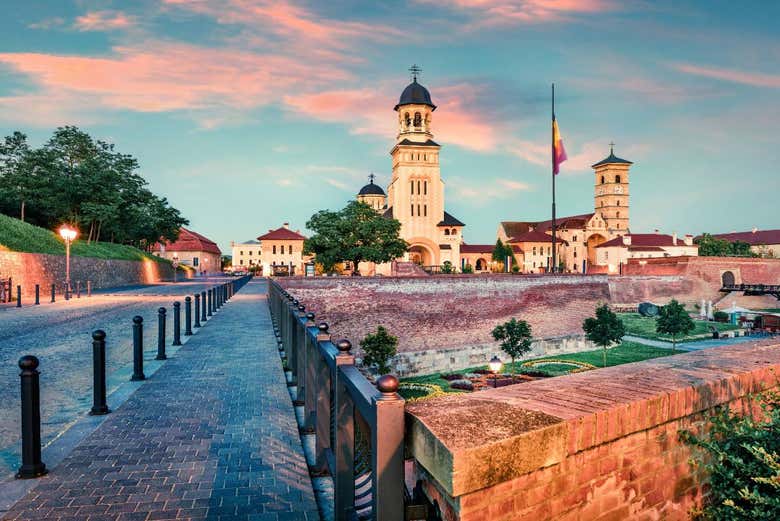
(495,365)
(68,234)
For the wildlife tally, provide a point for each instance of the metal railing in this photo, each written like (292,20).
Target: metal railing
(358,428)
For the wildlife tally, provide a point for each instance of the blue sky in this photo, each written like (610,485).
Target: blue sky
(248,113)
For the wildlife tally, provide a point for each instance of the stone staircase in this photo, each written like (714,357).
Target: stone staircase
(408,269)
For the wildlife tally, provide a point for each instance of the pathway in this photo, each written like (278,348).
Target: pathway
(211,436)
(696,345)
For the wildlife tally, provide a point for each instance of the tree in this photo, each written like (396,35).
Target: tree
(604,329)
(501,251)
(514,337)
(674,320)
(447,268)
(710,246)
(15,174)
(355,233)
(378,349)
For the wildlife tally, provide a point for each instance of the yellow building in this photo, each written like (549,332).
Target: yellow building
(281,252)
(245,255)
(615,253)
(415,195)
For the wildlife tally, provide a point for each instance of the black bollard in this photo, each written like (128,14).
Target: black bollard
(187,316)
(32,466)
(99,405)
(18,296)
(138,349)
(197,309)
(78,289)
(67,291)
(161,335)
(52,292)
(37,294)
(209,295)
(202,306)
(177,323)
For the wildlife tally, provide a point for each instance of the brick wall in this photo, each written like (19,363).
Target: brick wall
(599,446)
(29,269)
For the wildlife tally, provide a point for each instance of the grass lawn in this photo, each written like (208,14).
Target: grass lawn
(625,353)
(638,325)
(18,236)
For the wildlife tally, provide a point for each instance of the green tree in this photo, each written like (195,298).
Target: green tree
(674,320)
(378,348)
(710,246)
(501,251)
(447,268)
(604,329)
(16,183)
(355,233)
(515,338)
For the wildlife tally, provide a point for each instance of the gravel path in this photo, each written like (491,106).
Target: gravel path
(59,335)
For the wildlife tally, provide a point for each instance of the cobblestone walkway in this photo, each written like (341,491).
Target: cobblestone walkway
(211,436)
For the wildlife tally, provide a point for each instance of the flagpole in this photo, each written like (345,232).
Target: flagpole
(552,149)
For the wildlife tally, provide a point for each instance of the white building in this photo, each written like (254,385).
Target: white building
(245,254)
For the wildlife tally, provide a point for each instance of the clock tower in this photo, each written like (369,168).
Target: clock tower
(611,192)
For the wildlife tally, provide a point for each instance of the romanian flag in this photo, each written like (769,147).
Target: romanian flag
(558,152)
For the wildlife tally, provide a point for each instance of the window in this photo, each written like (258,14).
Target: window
(454,231)
(241,253)
(548,250)
(417,119)
(425,210)
(534,264)
(194,261)
(534,254)
(418,210)
(418,188)
(618,215)
(618,202)
(574,238)
(425,188)
(241,262)
(412,210)
(282,249)
(425,157)
(274,249)
(575,254)
(446,231)
(617,178)
(250,252)
(411,188)
(407,119)
(602,179)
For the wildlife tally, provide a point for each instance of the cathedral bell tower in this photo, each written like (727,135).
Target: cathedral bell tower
(611,192)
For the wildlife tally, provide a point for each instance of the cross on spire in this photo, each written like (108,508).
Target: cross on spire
(611,147)
(415,70)
(371,178)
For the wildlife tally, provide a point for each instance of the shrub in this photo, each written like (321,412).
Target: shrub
(379,348)
(447,268)
(451,376)
(515,269)
(463,385)
(468,268)
(720,316)
(741,456)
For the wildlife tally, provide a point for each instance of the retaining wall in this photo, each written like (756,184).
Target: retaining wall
(601,445)
(29,269)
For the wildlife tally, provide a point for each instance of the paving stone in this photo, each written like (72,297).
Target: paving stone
(212,435)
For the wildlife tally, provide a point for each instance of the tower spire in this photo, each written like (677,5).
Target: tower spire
(611,148)
(371,178)
(415,70)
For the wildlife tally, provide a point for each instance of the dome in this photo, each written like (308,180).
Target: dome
(415,94)
(372,189)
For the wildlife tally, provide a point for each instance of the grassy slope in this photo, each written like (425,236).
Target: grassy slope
(625,353)
(18,236)
(638,325)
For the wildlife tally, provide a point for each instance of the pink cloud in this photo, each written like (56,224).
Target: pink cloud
(735,76)
(580,157)
(509,12)
(370,112)
(165,77)
(104,21)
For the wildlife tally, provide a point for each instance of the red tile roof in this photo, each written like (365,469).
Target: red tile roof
(483,248)
(190,241)
(644,239)
(514,228)
(535,236)
(756,238)
(645,248)
(281,234)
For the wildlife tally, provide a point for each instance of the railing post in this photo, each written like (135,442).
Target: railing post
(37,294)
(177,323)
(52,292)
(344,446)
(324,402)
(99,405)
(197,310)
(32,466)
(161,334)
(300,354)
(187,316)
(210,295)
(18,296)
(312,365)
(138,349)
(388,451)
(202,306)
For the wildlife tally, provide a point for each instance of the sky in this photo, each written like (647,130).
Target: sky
(250,113)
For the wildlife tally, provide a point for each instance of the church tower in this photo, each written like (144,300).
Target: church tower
(611,192)
(372,195)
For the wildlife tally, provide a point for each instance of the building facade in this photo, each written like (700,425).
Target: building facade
(192,249)
(281,252)
(246,255)
(615,253)
(765,243)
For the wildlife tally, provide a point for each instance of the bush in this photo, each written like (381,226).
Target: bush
(379,348)
(741,455)
(447,268)
(463,385)
(515,269)
(720,316)
(451,376)
(468,268)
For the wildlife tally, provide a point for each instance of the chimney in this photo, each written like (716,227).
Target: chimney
(656,231)
(688,240)
(286,226)
(755,229)
(627,240)
(674,238)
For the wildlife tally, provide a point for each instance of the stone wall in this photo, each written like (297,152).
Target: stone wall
(29,269)
(414,363)
(601,445)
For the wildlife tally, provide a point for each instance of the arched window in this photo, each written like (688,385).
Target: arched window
(289,249)
(480,264)
(618,202)
(418,185)
(417,119)
(534,253)
(274,249)
(412,210)
(618,215)
(282,249)
(575,254)
(411,188)
(602,179)
(425,188)
(418,210)
(454,231)
(617,178)
(407,119)
(446,231)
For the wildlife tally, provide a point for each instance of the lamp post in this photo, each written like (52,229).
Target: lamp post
(68,234)
(495,365)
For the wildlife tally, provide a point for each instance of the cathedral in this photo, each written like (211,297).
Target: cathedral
(415,195)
